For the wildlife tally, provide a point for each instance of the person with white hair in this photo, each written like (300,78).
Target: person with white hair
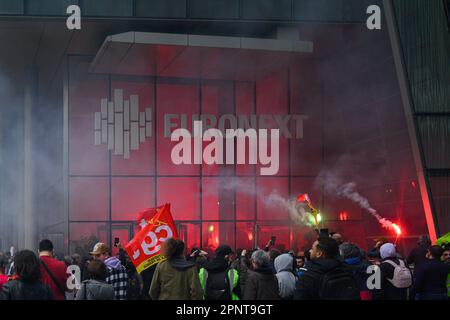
(396,277)
(261,284)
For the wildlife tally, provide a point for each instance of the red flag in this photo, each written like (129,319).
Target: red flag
(303,197)
(145,248)
(145,216)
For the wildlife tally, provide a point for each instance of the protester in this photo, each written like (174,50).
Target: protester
(96,287)
(326,278)
(396,277)
(417,255)
(199,257)
(261,282)
(218,280)
(374,253)
(54,272)
(135,283)
(300,262)
(147,276)
(351,254)
(446,259)
(3,264)
(26,284)
(242,265)
(284,266)
(10,266)
(338,237)
(175,278)
(117,274)
(431,276)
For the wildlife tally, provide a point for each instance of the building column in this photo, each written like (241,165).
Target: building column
(27,223)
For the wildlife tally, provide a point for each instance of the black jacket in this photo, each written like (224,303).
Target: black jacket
(261,284)
(388,291)
(242,266)
(417,256)
(219,265)
(431,277)
(359,270)
(20,290)
(308,284)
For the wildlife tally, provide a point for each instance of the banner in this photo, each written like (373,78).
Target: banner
(145,248)
(144,217)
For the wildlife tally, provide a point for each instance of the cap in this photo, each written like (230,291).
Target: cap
(223,250)
(99,248)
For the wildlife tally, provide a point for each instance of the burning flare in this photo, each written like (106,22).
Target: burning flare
(397,229)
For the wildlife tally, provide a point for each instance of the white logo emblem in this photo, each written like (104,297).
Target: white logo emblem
(120,125)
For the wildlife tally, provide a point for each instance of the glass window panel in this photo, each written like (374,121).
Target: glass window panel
(131,195)
(281,232)
(210,106)
(182,194)
(83,236)
(218,198)
(85,94)
(190,234)
(181,101)
(142,161)
(121,231)
(217,233)
(88,199)
(268,207)
(245,106)
(245,235)
(245,198)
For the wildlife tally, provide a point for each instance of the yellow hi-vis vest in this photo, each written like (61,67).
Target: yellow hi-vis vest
(233,278)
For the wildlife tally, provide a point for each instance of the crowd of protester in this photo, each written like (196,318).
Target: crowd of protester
(333,269)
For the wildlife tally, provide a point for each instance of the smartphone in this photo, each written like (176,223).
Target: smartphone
(273,239)
(116,242)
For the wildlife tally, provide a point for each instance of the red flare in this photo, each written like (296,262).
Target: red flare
(397,229)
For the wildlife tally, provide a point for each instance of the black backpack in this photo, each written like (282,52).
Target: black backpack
(217,285)
(338,284)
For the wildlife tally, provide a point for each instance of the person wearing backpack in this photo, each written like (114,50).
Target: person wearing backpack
(325,277)
(351,254)
(96,287)
(396,277)
(218,280)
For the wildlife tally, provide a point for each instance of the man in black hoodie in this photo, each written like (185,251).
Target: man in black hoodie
(326,278)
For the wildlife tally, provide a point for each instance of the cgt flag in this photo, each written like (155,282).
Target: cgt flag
(145,216)
(145,248)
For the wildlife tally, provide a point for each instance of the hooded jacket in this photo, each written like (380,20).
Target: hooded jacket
(95,290)
(359,270)
(388,291)
(117,277)
(218,267)
(176,279)
(286,279)
(309,283)
(261,284)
